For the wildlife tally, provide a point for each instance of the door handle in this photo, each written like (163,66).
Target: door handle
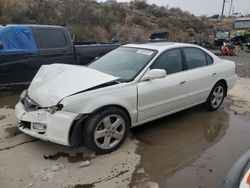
(183,82)
(214,74)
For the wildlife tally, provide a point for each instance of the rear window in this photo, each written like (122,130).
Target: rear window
(195,58)
(209,59)
(51,38)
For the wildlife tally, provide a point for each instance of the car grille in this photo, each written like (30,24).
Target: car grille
(25,124)
(29,104)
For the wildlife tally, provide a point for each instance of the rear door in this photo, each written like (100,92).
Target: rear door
(161,96)
(55,45)
(200,72)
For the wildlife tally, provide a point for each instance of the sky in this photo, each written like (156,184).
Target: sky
(203,7)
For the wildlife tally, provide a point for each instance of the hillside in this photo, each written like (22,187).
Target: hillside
(89,20)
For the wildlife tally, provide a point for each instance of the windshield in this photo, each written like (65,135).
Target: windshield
(125,63)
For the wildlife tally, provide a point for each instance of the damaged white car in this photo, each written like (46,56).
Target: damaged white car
(132,85)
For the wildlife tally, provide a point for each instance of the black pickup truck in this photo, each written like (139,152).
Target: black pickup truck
(25,48)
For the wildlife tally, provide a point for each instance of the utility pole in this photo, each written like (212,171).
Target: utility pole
(231,5)
(223,7)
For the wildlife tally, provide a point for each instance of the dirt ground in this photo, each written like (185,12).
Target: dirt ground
(242,60)
(193,148)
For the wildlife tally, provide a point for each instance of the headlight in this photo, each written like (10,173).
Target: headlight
(54,109)
(23,94)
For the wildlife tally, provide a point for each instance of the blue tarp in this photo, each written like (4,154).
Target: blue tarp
(17,39)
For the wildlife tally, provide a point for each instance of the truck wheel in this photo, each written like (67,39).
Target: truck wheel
(216,97)
(106,130)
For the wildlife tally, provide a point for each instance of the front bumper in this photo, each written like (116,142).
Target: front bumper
(58,125)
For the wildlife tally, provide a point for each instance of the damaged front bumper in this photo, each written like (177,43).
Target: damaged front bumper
(44,125)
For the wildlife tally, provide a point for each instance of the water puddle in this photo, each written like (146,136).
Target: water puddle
(12,132)
(172,144)
(2,117)
(84,186)
(8,101)
(78,157)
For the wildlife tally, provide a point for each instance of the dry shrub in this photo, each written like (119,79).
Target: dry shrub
(89,20)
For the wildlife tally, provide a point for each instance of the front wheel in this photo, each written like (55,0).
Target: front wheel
(106,130)
(216,97)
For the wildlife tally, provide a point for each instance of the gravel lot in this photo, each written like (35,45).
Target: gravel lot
(193,148)
(243,62)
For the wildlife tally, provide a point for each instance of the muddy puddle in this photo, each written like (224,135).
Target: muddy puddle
(12,131)
(9,101)
(193,148)
(78,157)
(84,186)
(8,123)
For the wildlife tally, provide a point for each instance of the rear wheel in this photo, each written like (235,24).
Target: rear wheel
(216,97)
(106,130)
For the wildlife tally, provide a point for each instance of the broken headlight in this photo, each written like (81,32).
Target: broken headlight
(54,109)
(23,94)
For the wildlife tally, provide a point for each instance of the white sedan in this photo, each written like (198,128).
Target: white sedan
(134,84)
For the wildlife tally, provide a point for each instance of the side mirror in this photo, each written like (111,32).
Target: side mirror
(1,45)
(154,74)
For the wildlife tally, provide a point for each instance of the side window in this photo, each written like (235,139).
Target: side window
(171,61)
(51,38)
(195,58)
(209,59)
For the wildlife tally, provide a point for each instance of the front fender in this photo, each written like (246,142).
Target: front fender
(124,95)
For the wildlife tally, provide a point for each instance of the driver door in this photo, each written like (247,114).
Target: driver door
(160,97)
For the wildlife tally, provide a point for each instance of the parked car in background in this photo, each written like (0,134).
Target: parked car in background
(221,37)
(159,37)
(25,48)
(132,85)
(239,175)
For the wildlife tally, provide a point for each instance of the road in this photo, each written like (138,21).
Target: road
(193,148)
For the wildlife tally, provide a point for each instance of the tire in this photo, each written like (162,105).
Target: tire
(106,130)
(216,97)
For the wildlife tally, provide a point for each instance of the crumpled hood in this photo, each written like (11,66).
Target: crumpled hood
(57,81)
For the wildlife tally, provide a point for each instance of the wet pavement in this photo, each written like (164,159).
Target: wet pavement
(29,162)
(8,100)
(242,60)
(193,148)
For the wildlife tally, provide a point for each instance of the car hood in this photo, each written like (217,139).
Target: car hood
(54,82)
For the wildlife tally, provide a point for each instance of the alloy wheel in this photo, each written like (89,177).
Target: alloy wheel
(217,96)
(109,131)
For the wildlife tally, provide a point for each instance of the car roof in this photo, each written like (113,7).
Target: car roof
(159,46)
